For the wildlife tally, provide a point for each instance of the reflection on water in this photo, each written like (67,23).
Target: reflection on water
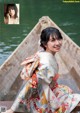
(66,24)
(66,16)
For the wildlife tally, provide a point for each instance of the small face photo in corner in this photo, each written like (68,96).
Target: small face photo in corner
(11,14)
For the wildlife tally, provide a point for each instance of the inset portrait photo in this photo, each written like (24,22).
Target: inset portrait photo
(11,14)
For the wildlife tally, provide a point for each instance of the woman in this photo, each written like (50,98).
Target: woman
(41,92)
(10,15)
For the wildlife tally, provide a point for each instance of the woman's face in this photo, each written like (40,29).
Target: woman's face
(11,12)
(53,45)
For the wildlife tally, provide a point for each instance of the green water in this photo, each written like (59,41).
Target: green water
(65,15)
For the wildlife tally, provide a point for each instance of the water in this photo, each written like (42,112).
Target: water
(65,15)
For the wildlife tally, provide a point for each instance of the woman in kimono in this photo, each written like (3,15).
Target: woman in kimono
(11,14)
(41,92)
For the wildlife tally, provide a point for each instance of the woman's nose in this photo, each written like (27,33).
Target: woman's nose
(57,42)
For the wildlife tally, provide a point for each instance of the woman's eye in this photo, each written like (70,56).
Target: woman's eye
(52,40)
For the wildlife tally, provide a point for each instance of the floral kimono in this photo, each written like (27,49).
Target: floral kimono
(41,92)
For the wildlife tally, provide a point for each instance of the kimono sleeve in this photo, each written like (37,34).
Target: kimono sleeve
(46,73)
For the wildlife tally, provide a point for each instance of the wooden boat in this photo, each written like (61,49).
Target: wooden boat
(68,59)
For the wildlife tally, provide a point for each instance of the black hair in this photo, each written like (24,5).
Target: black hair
(46,33)
(12,6)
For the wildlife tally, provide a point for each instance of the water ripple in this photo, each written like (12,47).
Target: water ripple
(66,24)
(71,33)
(2,43)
